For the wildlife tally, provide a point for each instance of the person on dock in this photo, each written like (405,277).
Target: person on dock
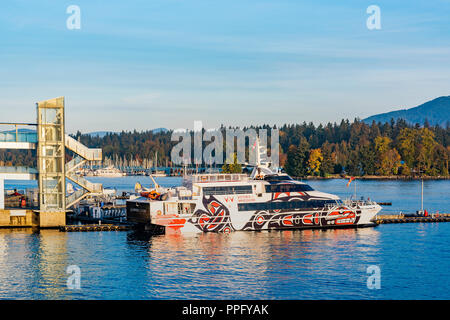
(23,202)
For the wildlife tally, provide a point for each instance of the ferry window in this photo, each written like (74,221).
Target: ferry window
(171,208)
(186,208)
(277,178)
(227,190)
(288,188)
(278,205)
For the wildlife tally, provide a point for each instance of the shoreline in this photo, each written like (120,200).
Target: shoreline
(403,178)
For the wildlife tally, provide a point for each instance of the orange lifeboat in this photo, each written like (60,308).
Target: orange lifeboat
(151,194)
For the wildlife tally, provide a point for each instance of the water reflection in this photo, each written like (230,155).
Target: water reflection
(308,264)
(32,264)
(50,263)
(253,265)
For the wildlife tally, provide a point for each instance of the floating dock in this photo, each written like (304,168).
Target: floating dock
(93,227)
(401,218)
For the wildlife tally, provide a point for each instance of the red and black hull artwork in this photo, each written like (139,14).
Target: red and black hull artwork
(338,217)
(215,217)
(307,218)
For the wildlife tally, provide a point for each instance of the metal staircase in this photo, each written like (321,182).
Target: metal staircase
(83,154)
(81,150)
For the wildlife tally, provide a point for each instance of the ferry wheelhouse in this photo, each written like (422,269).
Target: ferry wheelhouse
(231,202)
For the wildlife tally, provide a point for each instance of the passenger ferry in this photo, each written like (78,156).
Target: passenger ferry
(265,200)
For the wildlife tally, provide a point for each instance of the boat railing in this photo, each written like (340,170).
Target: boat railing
(330,205)
(355,203)
(216,177)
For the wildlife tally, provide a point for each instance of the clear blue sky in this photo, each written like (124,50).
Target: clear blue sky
(165,63)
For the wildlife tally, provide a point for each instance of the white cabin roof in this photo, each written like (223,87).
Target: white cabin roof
(216,177)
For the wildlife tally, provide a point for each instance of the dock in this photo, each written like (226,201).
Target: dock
(93,227)
(401,218)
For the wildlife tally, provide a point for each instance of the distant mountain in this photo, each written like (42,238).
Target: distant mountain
(158,130)
(436,111)
(101,134)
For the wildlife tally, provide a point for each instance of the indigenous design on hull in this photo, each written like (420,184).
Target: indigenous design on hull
(215,217)
(292,220)
(289,219)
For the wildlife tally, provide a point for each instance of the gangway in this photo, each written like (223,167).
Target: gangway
(18,173)
(18,138)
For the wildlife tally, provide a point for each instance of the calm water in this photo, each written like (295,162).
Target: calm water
(414,259)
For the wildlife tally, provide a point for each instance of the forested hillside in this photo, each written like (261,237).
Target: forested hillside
(355,148)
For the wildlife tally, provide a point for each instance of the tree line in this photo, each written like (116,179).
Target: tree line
(354,148)
(360,149)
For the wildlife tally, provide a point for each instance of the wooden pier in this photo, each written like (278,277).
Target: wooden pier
(93,227)
(401,218)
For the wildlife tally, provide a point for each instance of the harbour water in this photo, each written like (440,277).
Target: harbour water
(413,259)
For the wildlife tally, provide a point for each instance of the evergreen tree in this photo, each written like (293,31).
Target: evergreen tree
(328,161)
(296,164)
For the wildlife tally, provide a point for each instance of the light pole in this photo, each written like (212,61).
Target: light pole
(422,195)
(421,178)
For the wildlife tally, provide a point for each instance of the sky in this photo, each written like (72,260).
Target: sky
(144,64)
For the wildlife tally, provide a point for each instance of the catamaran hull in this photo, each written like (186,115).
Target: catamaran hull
(214,216)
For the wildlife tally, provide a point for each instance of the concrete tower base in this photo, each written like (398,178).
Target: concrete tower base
(49,219)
